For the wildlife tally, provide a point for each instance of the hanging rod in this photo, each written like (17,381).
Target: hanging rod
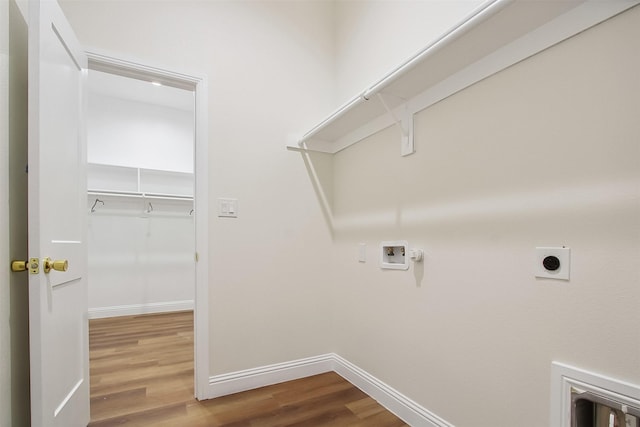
(143,214)
(300,149)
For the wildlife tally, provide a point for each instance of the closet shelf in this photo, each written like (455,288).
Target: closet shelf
(128,203)
(134,214)
(139,195)
(126,181)
(495,36)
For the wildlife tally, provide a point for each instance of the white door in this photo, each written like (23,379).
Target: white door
(57,174)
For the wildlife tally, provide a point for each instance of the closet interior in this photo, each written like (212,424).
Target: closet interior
(140,198)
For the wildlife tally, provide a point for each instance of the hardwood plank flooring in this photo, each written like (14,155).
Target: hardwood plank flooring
(142,375)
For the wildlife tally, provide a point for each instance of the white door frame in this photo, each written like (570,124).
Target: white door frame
(198,84)
(5,294)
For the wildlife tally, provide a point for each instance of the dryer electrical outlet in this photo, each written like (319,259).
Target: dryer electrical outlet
(553,263)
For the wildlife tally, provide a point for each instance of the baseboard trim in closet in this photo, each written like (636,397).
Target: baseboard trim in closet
(135,309)
(394,401)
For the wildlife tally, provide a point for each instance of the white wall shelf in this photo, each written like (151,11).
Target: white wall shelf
(130,191)
(126,181)
(138,195)
(495,36)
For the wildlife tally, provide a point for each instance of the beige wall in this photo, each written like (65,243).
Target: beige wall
(373,37)
(545,153)
(269,76)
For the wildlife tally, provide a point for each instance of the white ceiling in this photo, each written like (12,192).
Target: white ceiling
(112,85)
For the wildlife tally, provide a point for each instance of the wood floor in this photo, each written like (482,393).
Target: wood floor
(142,375)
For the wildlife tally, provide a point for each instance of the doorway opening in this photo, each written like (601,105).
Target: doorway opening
(147,200)
(140,178)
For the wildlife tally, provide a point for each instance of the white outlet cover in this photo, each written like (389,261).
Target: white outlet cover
(562,253)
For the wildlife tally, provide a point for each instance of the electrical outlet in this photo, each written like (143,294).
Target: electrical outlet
(553,263)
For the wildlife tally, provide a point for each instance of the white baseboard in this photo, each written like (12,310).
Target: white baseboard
(135,309)
(234,382)
(403,407)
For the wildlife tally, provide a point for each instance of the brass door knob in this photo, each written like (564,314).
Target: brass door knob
(57,265)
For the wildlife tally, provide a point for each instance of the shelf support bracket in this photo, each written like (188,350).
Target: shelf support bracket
(405,125)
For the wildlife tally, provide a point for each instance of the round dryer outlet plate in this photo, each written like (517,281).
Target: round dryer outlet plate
(553,262)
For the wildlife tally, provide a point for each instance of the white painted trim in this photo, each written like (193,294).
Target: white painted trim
(119,64)
(129,66)
(403,407)
(68,397)
(201,206)
(564,377)
(136,309)
(249,379)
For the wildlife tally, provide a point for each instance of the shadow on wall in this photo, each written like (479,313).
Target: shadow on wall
(320,169)
(367,184)
(489,176)
(530,156)
(19,282)
(495,182)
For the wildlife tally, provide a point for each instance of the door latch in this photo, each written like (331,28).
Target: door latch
(33,265)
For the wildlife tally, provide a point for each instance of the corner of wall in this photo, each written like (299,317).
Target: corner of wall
(394,401)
